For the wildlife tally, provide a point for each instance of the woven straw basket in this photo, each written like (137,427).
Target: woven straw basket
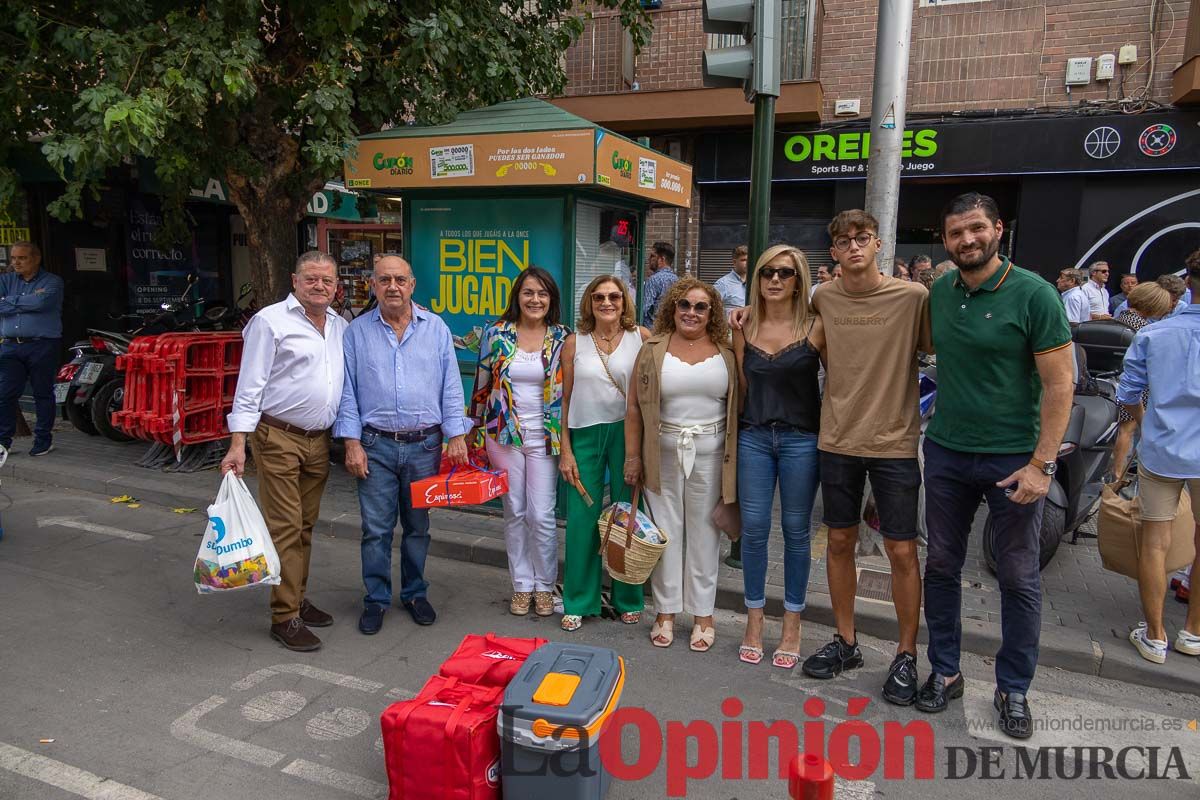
(627,558)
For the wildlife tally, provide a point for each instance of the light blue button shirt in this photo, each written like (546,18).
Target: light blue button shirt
(732,290)
(400,386)
(1163,358)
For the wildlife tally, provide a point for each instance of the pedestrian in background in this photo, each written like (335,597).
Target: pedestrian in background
(1075,302)
(402,397)
(777,442)
(30,344)
(517,401)
(918,263)
(597,366)
(660,265)
(900,269)
(1128,281)
(288,390)
(681,443)
(1175,287)
(732,285)
(1147,303)
(1162,360)
(1096,289)
(1005,385)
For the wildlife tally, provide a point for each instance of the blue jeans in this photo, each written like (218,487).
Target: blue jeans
(955,482)
(35,361)
(767,454)
(383,496)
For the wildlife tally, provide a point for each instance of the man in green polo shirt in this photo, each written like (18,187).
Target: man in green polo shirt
(1004,397)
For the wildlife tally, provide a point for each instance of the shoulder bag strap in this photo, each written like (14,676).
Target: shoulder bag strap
(604,363)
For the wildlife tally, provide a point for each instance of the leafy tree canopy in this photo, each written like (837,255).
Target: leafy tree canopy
(267,94)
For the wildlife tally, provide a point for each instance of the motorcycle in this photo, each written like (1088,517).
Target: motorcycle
(90,386)
(1084,459)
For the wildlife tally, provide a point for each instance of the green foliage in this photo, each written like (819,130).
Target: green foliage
(266,94)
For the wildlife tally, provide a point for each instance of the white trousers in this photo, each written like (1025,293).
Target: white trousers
(686,576)
(529,532)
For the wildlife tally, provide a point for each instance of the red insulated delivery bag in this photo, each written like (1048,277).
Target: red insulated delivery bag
(489,660)
(443,744)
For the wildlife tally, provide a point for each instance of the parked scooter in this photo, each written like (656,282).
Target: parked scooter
(91,387)
(1084,459)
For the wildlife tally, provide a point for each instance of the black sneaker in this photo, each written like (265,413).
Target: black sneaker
(935,695)
(41,449)
(1015,717)
(832,659)
(900,689)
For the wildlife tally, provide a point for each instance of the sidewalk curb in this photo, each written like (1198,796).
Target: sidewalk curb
(1069,650)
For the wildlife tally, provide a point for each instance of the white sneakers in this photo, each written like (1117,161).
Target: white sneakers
(1151,649)
(1187,643)
(1156,649)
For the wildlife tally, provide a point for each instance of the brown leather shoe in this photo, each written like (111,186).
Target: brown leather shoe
(295,636)
(314,617)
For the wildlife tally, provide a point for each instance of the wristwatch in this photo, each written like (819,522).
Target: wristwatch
(1045,467)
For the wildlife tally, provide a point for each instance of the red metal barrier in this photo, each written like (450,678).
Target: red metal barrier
(179,386)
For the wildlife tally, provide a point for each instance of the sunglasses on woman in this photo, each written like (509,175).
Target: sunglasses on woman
(685,305)
(783,273)
(612,297)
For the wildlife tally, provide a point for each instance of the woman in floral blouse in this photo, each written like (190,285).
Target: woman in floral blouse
(517,402)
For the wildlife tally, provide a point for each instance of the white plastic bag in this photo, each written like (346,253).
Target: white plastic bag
(237,550)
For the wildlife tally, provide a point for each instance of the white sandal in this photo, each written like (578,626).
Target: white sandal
(702,636)
(662,634)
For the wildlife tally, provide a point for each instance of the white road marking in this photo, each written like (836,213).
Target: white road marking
(63,776)
(853,790)
(335,779)
(186,730)
(273,706)
(79,523)
(340,723)
(316,673)
(400,694)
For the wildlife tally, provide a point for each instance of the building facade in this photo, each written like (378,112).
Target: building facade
(1099,162)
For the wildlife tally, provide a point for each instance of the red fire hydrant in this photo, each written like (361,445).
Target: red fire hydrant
(810,778)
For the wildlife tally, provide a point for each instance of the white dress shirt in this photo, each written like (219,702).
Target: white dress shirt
(289,370)
(1077,305)
(1097,297)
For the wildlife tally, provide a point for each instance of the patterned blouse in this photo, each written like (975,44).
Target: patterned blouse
(1135,321)
(492,398)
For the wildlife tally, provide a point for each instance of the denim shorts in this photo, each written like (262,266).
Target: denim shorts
(894,482)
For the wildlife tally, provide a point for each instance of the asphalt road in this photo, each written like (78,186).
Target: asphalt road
(118,681)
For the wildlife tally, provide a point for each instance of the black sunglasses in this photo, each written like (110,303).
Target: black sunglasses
(783,273)
(612,297)
(685,305)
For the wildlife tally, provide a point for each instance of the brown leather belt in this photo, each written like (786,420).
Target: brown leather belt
(268,420)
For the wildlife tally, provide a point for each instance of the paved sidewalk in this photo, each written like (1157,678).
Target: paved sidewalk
(1087,611)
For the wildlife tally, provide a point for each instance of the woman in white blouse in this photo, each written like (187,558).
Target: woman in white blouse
(681,443)
(597,364)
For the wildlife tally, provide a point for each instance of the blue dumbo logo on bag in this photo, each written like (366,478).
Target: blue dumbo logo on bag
(215,545)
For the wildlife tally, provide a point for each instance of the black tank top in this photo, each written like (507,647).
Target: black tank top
(782,388)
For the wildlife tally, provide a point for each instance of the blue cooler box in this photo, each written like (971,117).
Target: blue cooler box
(550,722)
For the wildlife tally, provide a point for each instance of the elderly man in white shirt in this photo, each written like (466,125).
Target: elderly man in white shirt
(1096,289)
(288,391)
(1074,300)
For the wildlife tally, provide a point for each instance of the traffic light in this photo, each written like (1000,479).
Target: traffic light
(754,65)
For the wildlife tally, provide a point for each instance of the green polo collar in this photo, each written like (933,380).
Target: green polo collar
(992,283)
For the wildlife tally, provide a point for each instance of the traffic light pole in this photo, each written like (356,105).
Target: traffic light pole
(887,121)
(761,155)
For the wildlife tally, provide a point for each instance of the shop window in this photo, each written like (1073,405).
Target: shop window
(605,244)
(355,251)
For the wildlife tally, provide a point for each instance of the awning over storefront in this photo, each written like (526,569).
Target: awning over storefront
(522,143)
(1033,145)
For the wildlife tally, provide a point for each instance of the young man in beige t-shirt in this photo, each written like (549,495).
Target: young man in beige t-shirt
(869,329)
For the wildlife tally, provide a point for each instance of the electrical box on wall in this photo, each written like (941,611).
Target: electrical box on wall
(846,108)
(1106,65)
(1079,71)
(1127,54)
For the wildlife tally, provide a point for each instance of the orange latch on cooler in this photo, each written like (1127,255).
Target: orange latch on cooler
(547,730)
(556,689)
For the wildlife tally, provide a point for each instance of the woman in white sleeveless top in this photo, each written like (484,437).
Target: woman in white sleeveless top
(597,364)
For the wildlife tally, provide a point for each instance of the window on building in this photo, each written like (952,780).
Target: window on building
(796,46)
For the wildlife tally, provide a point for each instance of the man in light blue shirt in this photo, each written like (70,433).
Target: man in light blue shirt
(402,396)
(1163,358)
(732,286)
(1074,300)
(30,343)
(661,263)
